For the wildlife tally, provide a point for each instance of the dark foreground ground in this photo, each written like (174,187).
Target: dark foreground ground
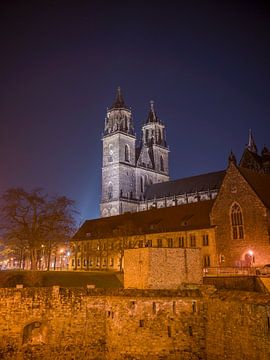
(101,279)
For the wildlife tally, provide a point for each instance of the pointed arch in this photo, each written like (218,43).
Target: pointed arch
(141,184)
(110,191)
(237,221)
(161,163)
(127,153)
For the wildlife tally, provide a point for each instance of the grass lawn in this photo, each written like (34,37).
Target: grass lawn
(101,279)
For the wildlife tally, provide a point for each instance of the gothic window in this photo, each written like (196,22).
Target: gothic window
(237,222)
(161,164)
(145,180)
(146,135)
(141,183)
(127,153)
(110,157)
(110,191)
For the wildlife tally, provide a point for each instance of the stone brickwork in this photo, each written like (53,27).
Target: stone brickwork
(187,324)
(93,324)
(151,268)
(238,326)
(232,252)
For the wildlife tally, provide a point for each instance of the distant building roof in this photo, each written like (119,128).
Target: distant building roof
(177,218)
(259,182)
(193,184)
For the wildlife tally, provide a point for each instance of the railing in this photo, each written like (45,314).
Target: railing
(229,271)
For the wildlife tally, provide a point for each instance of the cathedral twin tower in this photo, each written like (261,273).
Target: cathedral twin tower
(127,168)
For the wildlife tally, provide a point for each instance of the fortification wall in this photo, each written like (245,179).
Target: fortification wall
(61,323)
(238,326)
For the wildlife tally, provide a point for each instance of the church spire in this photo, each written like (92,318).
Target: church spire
(119,100)
(152,117)
(251,143)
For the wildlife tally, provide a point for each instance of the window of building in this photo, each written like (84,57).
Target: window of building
(84,262)
(206,261)
(148,243)
(161,164)
(181,242)
(90,262)
(78,262)
(73,262)
(98,262)
(141,182)
(140,243)
(104,262)
(192,240)
(170,242)
(237,222)
(159,242)
(127,153)
(205,240)
(112,262)
(110,191)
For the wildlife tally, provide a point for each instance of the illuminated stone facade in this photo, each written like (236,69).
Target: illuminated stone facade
(128,169)
(248,242)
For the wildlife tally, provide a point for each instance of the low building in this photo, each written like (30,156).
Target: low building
(100,243)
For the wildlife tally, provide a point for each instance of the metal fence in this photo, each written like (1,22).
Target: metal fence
(229,271)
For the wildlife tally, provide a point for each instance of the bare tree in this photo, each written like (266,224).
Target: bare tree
(32,220)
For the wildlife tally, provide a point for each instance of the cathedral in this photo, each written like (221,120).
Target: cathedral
(135,172)
(225,214)
(128,169)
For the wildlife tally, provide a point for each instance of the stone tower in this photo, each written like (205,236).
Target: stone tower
(118,168)
(127,170)
(153,158)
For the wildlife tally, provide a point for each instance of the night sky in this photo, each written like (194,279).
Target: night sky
(206,64)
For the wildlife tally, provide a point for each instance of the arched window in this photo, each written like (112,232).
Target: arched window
(110,191)
(141,182)
(145,180)
(126,153)
(237,222)
(161,164)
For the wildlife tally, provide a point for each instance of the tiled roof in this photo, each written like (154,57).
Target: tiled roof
(193,184)
(177,218)
(260,183)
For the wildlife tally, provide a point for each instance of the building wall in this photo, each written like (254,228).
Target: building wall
(153,268)
(100,252)
(233,252)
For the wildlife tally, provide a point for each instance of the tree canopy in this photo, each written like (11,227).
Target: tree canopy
(34,224)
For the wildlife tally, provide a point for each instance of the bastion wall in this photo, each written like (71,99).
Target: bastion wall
(187,324)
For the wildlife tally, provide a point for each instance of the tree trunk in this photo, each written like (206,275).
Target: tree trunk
(49,259)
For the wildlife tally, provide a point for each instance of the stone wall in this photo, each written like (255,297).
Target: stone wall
(161,268)
(238,326)
(93,324)
(187,324)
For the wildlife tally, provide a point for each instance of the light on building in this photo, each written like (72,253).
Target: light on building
(250,252)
